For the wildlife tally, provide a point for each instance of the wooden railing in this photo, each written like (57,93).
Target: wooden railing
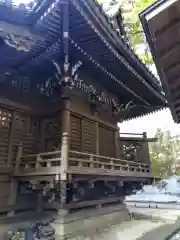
(41,160)
(92,161)
(64,161)
(78,160)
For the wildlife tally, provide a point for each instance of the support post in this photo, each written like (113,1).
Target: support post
(18,157)
(12,196)
(63,169)
(14,183)
(117,143)
(66,117)
(97,138)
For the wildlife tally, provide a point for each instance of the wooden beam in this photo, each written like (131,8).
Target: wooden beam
(137,139)
(15,106)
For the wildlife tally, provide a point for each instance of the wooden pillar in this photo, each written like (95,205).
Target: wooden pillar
(97,138)
(65,116)
(117,142)
(12,196)
(18,158)
(63,169)
(64,150)
(9,161)
(14,182)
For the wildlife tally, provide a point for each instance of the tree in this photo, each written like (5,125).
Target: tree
(164,153)
(130,11)
(134,28)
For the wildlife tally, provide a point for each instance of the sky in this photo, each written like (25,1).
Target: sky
(151,123)
(21,1)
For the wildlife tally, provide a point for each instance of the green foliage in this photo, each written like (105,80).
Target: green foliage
(131,10)
(135,31)
(164,153)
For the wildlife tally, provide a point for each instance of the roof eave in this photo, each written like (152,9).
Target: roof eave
(144,23)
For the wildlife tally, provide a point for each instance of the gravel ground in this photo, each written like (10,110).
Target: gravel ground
(131,230)
(161,223)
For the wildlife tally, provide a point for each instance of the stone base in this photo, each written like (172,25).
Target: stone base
(87,222)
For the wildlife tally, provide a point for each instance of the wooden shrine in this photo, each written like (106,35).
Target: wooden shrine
(67,77)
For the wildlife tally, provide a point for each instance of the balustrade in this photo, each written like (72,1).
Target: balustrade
(92,161)
(77,161)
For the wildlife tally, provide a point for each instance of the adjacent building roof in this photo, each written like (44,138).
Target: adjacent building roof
(161,26)
(31,39)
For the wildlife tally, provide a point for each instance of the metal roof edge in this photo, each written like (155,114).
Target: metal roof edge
(145,114)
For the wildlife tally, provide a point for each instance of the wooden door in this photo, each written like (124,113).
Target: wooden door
(106,141)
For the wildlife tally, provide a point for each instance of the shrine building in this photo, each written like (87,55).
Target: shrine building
(68,76)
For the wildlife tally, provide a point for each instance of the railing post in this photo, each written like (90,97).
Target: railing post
(18,157)
(37,164)
(91,163)
(64,168)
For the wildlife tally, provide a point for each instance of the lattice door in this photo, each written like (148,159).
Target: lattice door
(5,124)
(88,136)
(75,138)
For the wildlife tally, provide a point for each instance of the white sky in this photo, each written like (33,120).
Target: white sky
(17,2)
(150,123)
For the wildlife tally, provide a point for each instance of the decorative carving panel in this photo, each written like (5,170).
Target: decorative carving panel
(129,150)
